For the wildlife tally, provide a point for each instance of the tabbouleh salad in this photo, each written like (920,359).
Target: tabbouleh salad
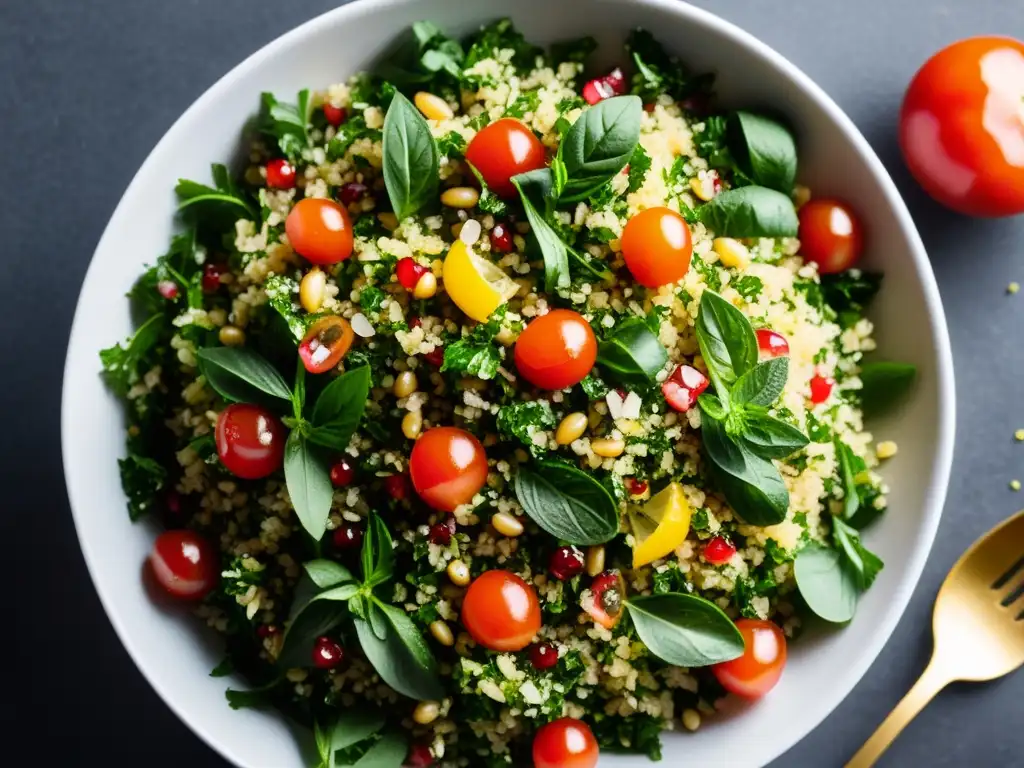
(493,412)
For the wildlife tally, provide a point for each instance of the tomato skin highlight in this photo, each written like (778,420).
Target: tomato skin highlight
(503,149)
(657,246)
(565,743)
(556,350)
(326,342)
(185,564)
(501,611)
(830,235)
(319,230)
(250,441)
(448,466)
(758,670)
(961,130)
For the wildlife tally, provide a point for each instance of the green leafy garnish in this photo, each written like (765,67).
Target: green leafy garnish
(657,72)
(552,248)
(410,158)
(522,419)
(885,385)
(240,375)
(567,503)
(288,124)
(750,212)
(598,146)
(685,630)
(631,353)
(339,409)
(765,151)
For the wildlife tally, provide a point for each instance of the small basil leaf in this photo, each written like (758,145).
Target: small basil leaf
(567,503)
(884,386)
(712,406)
(326,573)
(309,484)
(750,212)
(826,583)
(403,660)
(864,563)
(354,726)
(848,474)
(339,408)
(599,145)
(537,185)
(632,353)
(378,621)
(552,248)
(752,485)
(410,158)
(727,341)
(762,384)
(766,150)
(685,630)
(389,752)
(771,438)
(240,375)
(342,593)
(378,557)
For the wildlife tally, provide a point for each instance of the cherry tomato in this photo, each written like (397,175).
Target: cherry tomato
(326,343)
(335,115)
(319,230)
(565,743)
(757,671)
(556,350)
(250,441)
(636,487)
(502,150)
(830,235)
(501,611)
(185,564)
(683,387)
(657,246)
(608,599)
(448,466)
(280,174)
(962,129)
(771,344)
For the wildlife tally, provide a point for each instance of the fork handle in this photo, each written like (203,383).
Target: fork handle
(932,680)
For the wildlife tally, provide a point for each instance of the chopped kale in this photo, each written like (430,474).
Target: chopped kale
(639,165)
(657,72)
(849,293)
(500,35)
(520,420)
(748,286)
(142,479)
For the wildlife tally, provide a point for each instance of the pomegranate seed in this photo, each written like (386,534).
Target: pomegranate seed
(435,358)
(211,277)
(601,88)
(719,551)
(352,192)
(168,289)
(501,238)
(821,388)
(348,537)
(415,323)
(616,81)
(566,562)
(327,654)
(173,502)
(419,757)
(772,344)
(396,486)
(266,630)
(335,115)
(441,533)
(543,656)
(342,473)
(409,272)
(636,487)
(683,387)
(280,174)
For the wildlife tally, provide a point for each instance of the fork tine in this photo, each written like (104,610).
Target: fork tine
(1003,580)
(1014,595)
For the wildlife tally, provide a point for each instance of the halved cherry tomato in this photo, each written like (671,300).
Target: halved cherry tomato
(503,149)
(185,564)
(830,235)
(757,671)
(501,611)
(565,743)
(319,230)
(556,350)
(326,342)
(608,599)
(657,246)
(962,126)
(250,441)
(448,466)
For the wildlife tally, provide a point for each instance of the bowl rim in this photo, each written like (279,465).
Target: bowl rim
(935,496)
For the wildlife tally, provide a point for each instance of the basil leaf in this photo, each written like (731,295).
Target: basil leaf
(314,619)
(712,406)
(354,726)
(752,485)
(378,557)
(403,659)
(288,124)
(685,630)
(537,185)
(632,353)
(766,151)
(554,251)
(727,341)
(826,583)
(240,375)
(762,384)
(326,573)
(410,158)
(389,752)
(750,212)
(378,621)
(339,409)
(322,739)
(567,503)
(309,484)
(599,144)
(884,386)
(771,438)
(864,563)
(847,473)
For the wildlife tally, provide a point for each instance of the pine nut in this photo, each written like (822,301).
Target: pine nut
(433,107)
(426,712)
(595,560)
(458,572)
(691,719)
(311,289)
(442,633)
(608,447)
(886,449)
(704,188)
(426,286)
(412,424)
(388,220)
(231,336)
(507,525)
(460,197)
(217,316)
(405,384)
(801,196)
(732,253)
(571,427)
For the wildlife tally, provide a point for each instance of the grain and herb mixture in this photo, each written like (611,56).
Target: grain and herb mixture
(494,411)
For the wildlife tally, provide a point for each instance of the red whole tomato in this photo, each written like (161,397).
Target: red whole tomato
(565,743)
(184,564)
(556,350)
(830,235)
(962,126)
(250,441)
(757,671)
(503,149)
(448,467)
(319,230)
(501,611)
(657,247)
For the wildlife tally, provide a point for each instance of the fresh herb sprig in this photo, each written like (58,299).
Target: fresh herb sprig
(685,630)
(567,502)
(410,158)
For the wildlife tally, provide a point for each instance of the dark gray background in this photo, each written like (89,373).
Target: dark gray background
(87,89)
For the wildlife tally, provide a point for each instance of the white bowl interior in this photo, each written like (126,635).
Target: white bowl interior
(168,645)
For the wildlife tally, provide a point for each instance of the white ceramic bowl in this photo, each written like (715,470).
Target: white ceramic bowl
(172,650)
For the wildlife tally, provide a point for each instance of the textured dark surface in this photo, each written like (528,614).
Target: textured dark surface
(87,90)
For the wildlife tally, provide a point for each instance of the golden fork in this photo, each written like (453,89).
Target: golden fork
(978,626)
